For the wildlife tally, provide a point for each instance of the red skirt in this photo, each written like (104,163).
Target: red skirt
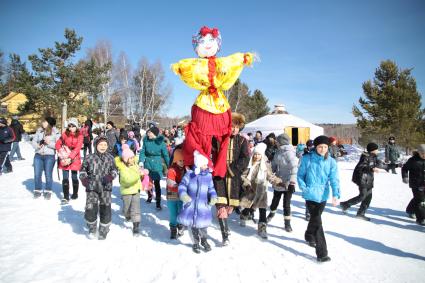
(199,133)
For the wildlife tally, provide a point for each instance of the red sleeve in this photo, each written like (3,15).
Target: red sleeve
(172,174)
(58,144)
(13,134)
(77,148)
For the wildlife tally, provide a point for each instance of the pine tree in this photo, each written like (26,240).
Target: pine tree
(255,106)
(392,106)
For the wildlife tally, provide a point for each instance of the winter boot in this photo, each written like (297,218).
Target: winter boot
(262,230)
(323,259)
(344,207)
(37,193)
(271,215)
(103,231)
(411,215)
(92,229)
(136,228)
(65,188)
(362,217)
(205,244)
(149,199)
(196,247)
(158,205)
(180,230)
(47,194)
(420,222)
(288,227)
(243,219)
(173,230)
(75,185)
(224,231)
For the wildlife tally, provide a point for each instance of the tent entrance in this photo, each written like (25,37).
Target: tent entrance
(298,135)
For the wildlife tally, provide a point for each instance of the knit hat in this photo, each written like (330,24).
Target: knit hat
(421,148)
(177,155)
(260,148)
(73,121)
(154,131)
(131,134)
(332,139)
(238,120)
(371,147)
(99,139)
(127,153)
(51,121)
(199,160)
(283,139)
(321,140)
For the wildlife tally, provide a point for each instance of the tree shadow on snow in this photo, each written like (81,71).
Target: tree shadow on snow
(375,246)
(56,187)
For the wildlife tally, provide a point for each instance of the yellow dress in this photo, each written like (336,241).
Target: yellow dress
(212,77)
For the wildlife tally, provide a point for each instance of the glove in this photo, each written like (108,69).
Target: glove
(406,180)
(186,198)
(291,188)
(141,164)
(85,182)
(213,201)
(107,179)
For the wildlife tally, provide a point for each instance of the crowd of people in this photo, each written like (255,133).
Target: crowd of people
(252,163)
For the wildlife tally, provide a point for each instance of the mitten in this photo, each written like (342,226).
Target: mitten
(186,198)
(406,180)
(107,179)
(291,188)
(213,201)
(141,164)
(85,182)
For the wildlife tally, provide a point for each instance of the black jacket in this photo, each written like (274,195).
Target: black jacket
(363,175)
(6,138)
(17,129)
(415,166)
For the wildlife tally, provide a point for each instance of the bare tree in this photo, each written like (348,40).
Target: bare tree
(121,79)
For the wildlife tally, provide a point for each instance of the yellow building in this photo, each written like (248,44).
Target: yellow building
(9,107)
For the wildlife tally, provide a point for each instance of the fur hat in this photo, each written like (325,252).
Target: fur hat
(283,139)
(72,121)
(127,153)
(421,148)
(51,121)
(260,148)
(371,147)
(238,120)
(154,130)
(321,140)
(177,155)
(199,160)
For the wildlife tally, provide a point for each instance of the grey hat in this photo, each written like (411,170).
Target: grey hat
(421,148)
(73,121)
(283,139)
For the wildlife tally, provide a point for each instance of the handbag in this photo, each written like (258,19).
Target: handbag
(63,154)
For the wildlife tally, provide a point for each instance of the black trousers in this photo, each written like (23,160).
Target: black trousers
(287,196)
(5,161)
(87,147)
(365,197)
(98,203)
(315,231)
(418,201)
(157,191)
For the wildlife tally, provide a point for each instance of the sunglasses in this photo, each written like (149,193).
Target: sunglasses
(71,126)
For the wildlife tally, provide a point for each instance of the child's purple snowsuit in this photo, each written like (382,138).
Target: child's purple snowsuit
(200,188)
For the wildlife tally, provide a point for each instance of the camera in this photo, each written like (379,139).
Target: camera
(42,142)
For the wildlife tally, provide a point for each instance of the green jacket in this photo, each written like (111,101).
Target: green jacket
(391,153)
(130,183)
(153,155)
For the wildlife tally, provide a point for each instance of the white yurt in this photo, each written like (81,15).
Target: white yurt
(280,121)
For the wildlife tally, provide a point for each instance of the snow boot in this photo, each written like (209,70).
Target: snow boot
(362,217)
(288,227)
(411,215)
(75,185)
(136,229)
(150,196)
(158,206)
(180,230)
(37,193)
(173,230)
(205,244)
(103,231)
(420,222)
(323,259)
(224,230)
(65,188)
(262,230)
(47,194)
(344,207)
(271,215)
(92,229)
(195,235)
(196,248)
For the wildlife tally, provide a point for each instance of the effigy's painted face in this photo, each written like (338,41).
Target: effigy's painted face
(207,46)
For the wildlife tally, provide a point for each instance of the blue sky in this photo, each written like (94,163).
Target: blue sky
(315,55)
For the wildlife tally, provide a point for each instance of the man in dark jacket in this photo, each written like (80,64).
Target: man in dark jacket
(6,138)
(112,135)
(272,146)
(228,188)
(413,173)
(392,154)
(18,130)
(363,176)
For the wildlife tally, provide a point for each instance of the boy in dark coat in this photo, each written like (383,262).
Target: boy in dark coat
(363,176)
(6,138)
(415,167)
(97,173)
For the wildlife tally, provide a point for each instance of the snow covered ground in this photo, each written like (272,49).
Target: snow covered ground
(41,241)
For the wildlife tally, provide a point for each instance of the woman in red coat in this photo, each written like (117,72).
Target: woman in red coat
(73,139)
